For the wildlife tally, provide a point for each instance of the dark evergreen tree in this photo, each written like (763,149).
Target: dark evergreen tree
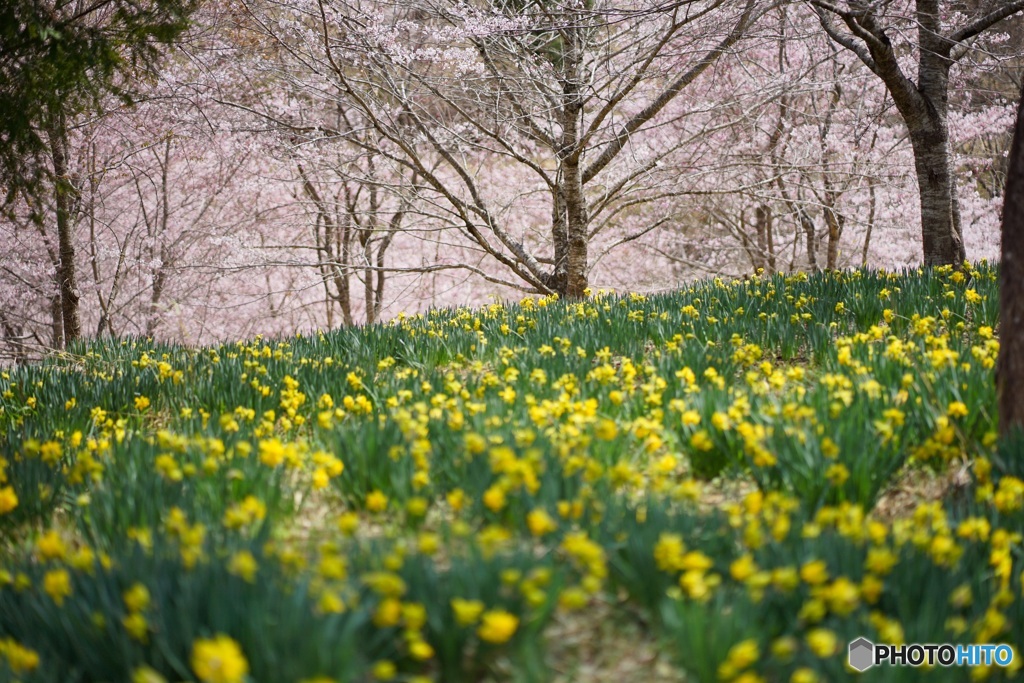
(59,59)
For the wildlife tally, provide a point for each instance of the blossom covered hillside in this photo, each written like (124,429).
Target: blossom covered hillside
(284,167)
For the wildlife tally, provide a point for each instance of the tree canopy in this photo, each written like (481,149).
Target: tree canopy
(63,57)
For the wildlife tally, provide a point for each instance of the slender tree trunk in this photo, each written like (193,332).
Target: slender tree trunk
(559,238)
(366,242)
(761,245)
(341,272)
(323,258)
(346,234)
(393,227)
(378,290)
(812,248)
(163,220)
(871,222)
(159,281)
(14,338)
(835,222)
(763,225)
(56,314)
(56,322)
(63,194)
(576,213)
(329,306)
(752,249)
(577,217)
(954,202)
(337,239)
(367,245)
(1010,369)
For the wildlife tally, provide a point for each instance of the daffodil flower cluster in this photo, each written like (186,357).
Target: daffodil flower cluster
(421,500)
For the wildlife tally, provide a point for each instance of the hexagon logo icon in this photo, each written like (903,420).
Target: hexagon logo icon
(862,654)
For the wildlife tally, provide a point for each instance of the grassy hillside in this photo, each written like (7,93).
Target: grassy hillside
(726,483)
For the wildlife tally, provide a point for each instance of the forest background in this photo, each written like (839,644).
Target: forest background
(261,167)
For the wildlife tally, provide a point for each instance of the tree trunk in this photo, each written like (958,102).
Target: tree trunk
(761,220)
(751,249)
(576,213)
(757,254)
(923,104)
(341,272)
(577,217)
(1010,369)
(812,248)
(928,125)
(367,245)
(365,241)
(871,222)
(941,242)
(560,239)
(15,339)
(160,274)
(382,248)
(63,193)
(153,317)
(835,222)
(56,322)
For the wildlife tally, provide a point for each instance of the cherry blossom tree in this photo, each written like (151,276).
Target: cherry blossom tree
(916,74)
(167,208)
(817,174)
(507,113)
(800,164)
(166,204)
(357,215)
(58,60)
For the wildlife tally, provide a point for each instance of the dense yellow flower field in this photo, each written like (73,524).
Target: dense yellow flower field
(430,499)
